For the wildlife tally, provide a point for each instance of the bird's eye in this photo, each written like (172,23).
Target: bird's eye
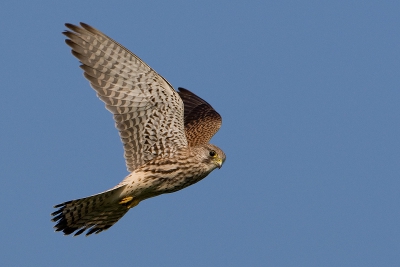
(212,153)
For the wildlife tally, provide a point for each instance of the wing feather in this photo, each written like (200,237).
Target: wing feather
(200,118)
(147,110)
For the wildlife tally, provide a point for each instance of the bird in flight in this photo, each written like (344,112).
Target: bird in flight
(165,133)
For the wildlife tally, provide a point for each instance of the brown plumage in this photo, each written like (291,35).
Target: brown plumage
(201,120)
(165,134)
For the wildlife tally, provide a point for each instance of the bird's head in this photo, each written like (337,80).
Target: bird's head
(214,155)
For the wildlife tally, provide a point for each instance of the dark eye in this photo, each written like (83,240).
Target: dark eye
(212,153)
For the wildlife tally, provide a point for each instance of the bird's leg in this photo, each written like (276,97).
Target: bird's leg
(130,202)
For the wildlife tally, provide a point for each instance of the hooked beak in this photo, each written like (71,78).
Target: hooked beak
(219,162)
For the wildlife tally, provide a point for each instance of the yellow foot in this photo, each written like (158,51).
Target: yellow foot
(130,202)
(125,200)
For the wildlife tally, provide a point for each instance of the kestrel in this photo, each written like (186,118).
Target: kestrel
(165,133)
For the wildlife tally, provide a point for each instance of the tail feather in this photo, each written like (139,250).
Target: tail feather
(94,214)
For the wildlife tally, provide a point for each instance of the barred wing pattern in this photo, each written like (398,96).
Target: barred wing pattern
(95,213)
(148,112)
(200,118)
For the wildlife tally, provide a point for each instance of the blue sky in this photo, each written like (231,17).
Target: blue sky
(309,95)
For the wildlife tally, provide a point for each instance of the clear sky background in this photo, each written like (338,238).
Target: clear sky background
(309,92)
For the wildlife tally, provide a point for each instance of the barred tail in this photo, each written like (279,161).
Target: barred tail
(95,213)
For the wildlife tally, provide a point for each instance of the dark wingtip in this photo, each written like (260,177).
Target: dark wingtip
(62,204)
(57,218)
(56,212)
(69,230)
(70,26)
(93,230)
(66,32)
(84,25)
(89,28)
(183,90)
(80,232)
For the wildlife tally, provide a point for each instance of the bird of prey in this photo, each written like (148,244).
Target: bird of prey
(165,133)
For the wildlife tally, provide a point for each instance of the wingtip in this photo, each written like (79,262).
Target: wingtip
(83,24)
(70,25)
(89,28)
(183,90)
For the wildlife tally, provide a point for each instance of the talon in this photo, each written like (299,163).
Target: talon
(125,200)
(130,202)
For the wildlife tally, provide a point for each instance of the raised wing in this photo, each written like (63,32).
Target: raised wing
(201,120)
(148,112)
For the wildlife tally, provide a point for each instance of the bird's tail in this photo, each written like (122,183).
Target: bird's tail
(95,213)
